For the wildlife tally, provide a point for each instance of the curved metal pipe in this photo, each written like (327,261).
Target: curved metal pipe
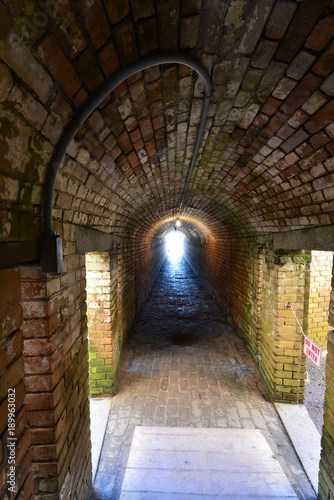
(197,144)
(91,105)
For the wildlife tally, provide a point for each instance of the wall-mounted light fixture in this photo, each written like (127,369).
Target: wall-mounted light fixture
(178,222)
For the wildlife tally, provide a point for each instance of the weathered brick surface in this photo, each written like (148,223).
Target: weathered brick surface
(118,284)
(262,284)
(326,484)
(56,372)
(284,70)
(102,303)
(212,261)
(13,392)
(265,161)
(318,297)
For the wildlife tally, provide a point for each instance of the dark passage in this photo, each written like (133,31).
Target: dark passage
(184,366)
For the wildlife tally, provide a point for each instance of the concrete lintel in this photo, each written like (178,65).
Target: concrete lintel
(315,238)
(91,240)
(18,252)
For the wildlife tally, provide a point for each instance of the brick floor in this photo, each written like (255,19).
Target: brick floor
(184,366)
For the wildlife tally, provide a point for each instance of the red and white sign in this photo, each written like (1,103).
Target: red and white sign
(312,351)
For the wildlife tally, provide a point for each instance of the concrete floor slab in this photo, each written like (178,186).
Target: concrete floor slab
(304,437)
(99,412)
(209,463)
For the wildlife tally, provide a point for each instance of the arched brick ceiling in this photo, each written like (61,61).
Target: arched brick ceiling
(265,163)
(197,225)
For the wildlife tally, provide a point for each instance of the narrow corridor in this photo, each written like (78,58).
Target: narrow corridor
(184,366)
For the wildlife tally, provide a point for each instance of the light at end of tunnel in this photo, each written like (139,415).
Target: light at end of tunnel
(174,245)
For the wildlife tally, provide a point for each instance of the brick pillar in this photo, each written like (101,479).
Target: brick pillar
(13,453)
(320,288)
(326,475)
(283,364)
(56,368)
(103,322)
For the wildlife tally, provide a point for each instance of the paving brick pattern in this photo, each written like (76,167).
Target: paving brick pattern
(184,366)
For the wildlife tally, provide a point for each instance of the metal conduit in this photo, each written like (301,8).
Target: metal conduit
(51,254)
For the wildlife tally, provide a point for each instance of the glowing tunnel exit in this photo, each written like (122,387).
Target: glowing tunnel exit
(174,244)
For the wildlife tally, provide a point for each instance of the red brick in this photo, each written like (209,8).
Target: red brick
(264,53)
(133,159)
(98,31)
(58,64)
(146,128)
(298,96)
(125,41)
(108,59)
(303,22)
(321,119)
(116,9)
(125,143)
(321,34)
(89,70)
(324,65)
(279,20)
(260,120)
(270,106)
(319,140)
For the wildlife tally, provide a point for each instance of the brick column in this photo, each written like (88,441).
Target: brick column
(320,289)
(283,364)
(56,368)
(13,391)
(102,298)
(326,475)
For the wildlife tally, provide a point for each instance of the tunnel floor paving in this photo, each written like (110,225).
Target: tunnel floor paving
(184,366)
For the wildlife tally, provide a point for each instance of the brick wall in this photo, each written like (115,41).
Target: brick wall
(253,286)
(317,326)
(12,373)
(211,260)
(288,377)
(56,374)
(118,284)
(102,311)
(243,288)
(326,475)
(150,254)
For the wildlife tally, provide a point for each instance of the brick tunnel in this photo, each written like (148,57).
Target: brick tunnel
(118,119)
